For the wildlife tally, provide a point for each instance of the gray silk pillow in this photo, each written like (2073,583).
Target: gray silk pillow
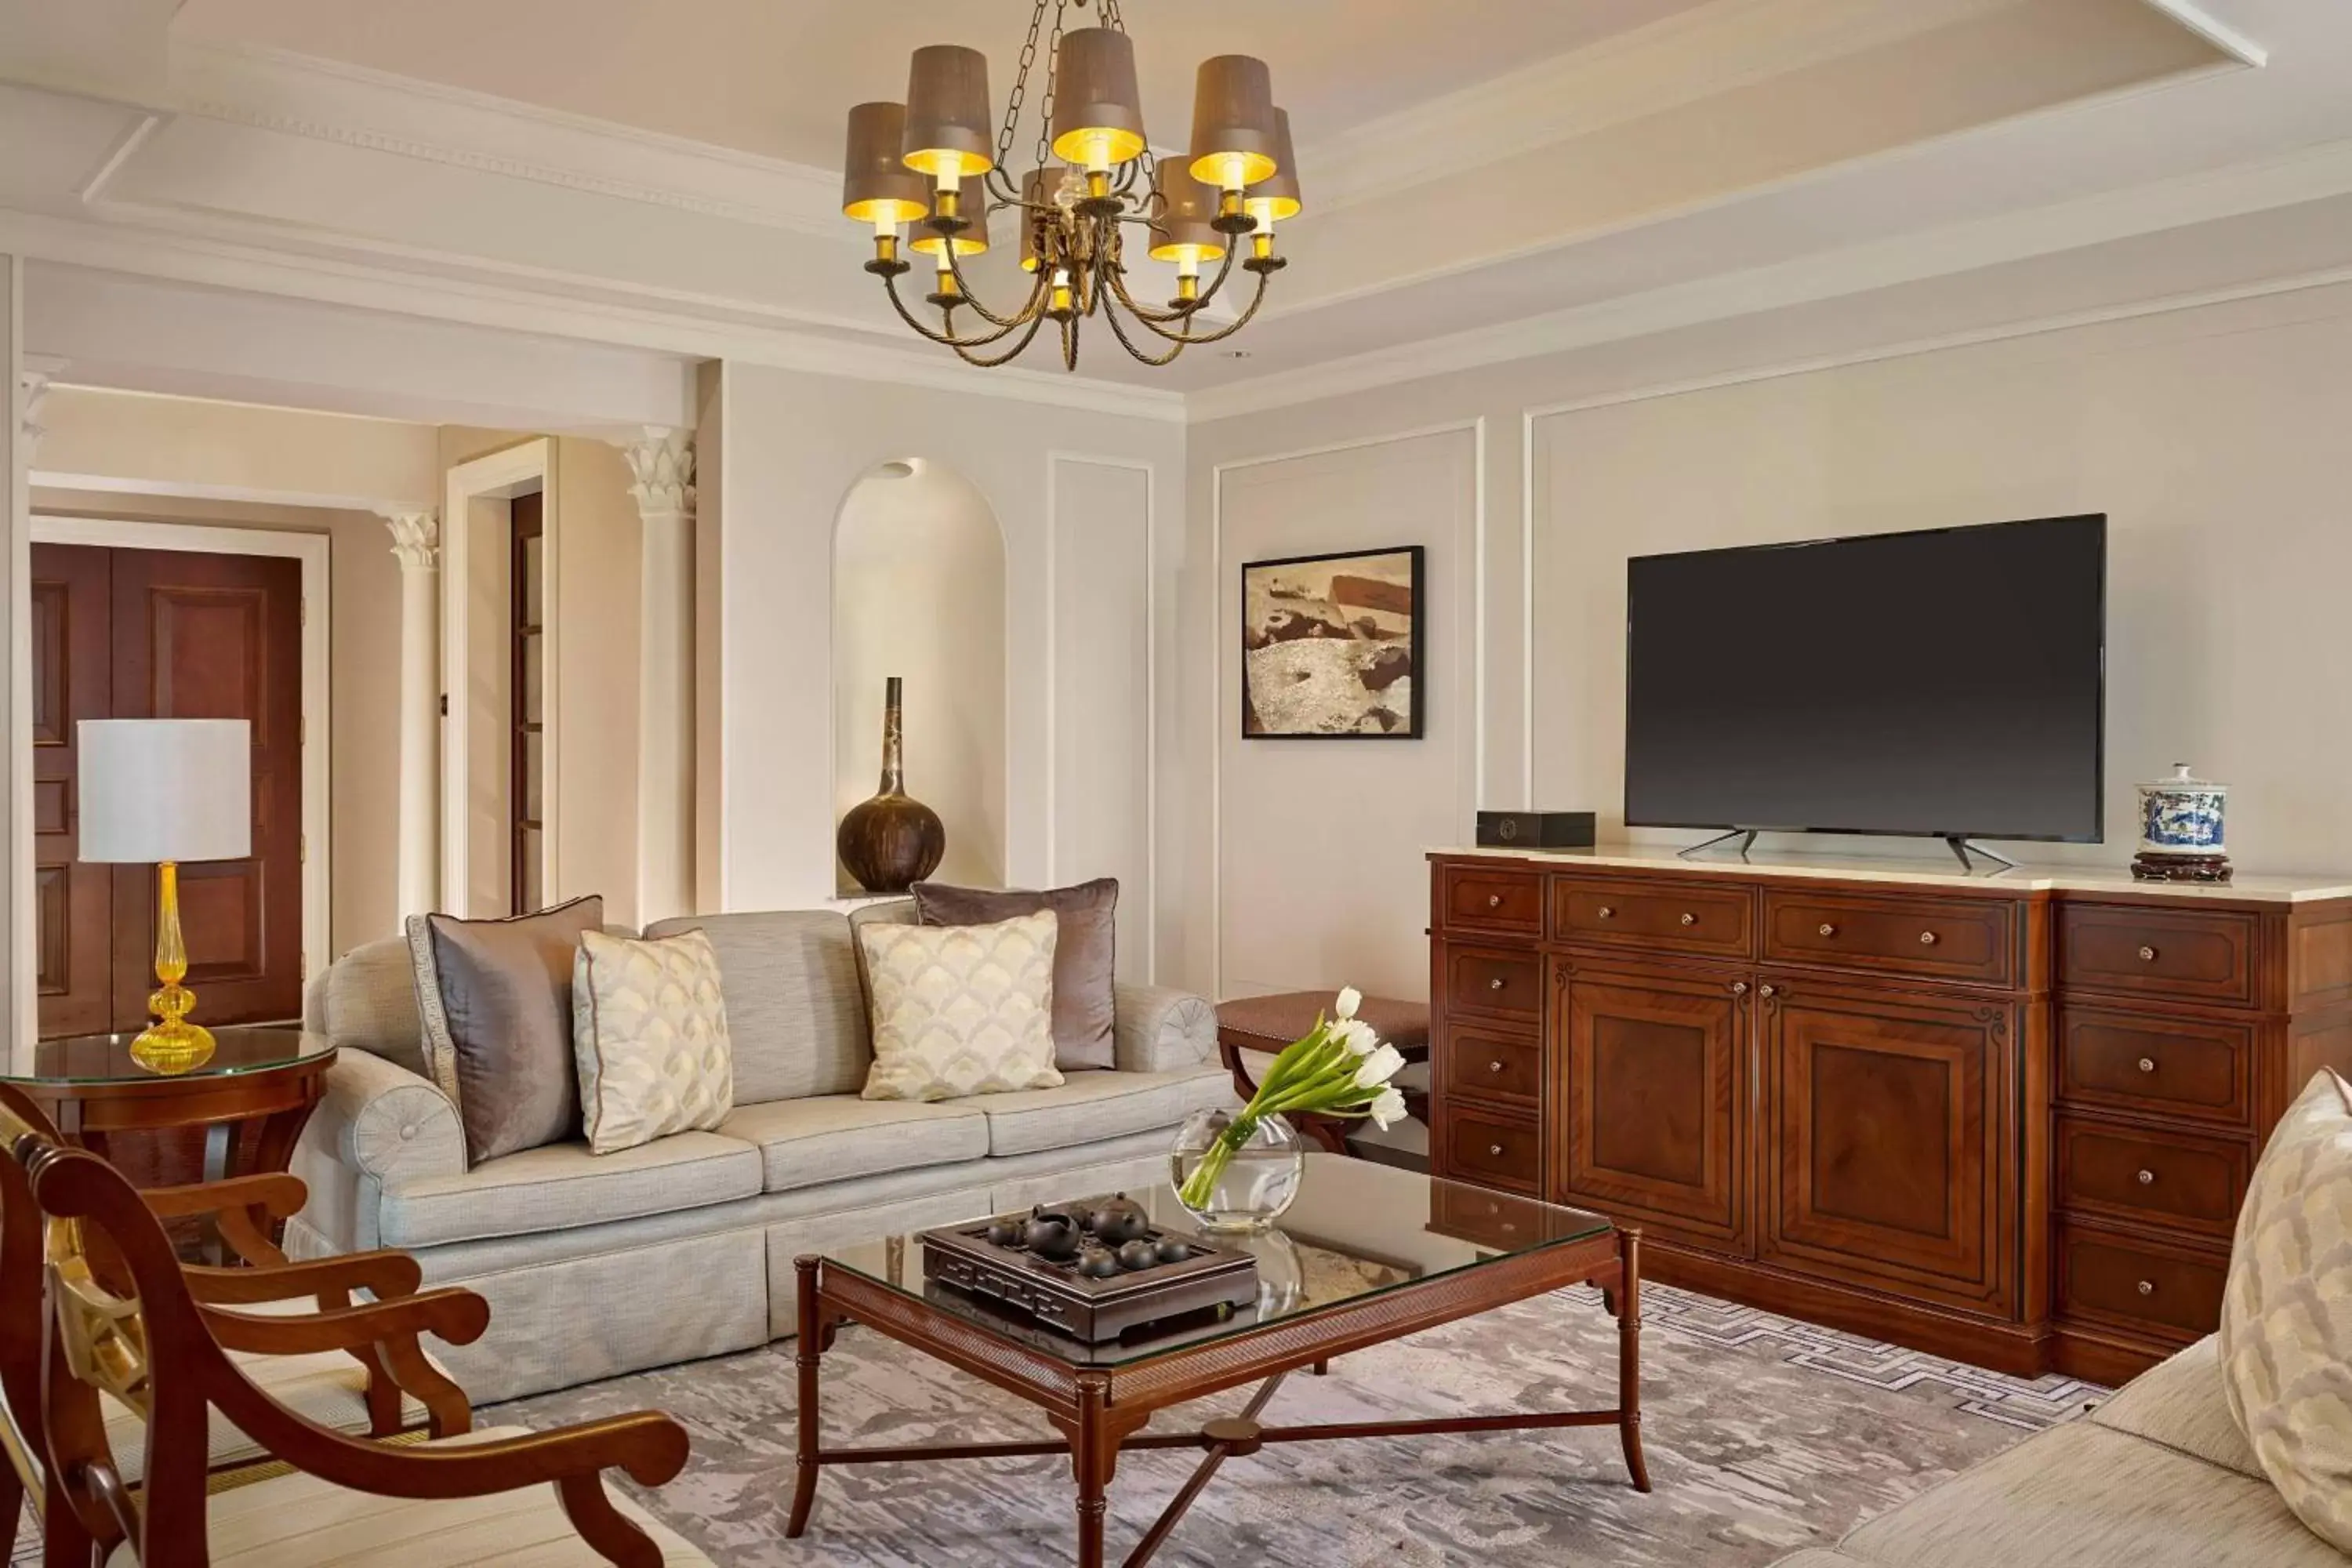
(1085,953)
(497,1001)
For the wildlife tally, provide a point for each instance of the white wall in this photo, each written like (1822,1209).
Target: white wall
(2209,433)
(919,594)
(795,444)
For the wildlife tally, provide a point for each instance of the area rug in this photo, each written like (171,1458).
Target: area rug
(1763,1436)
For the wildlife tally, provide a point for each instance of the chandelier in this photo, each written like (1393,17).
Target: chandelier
(1095,190)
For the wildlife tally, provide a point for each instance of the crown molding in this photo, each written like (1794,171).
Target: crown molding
(1669,64)
(298,95)
(149,251)
(2218,34)
(2309,174)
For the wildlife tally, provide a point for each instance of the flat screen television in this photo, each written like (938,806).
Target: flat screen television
(1947,683)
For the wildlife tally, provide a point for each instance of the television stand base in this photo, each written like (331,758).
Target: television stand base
(1746,836)
(1962,848)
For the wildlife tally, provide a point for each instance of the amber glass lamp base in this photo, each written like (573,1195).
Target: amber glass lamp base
(171,1045)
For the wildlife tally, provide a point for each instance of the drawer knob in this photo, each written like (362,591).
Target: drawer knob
(2147,1178)
(1605,912)
(1739,988)
(1690,920)
(2147,955)
(1926,939)
(1495,984)
(1770,990)
(1828,930)
(2148,1064)
(1493,901)
(1495,1067)
(2148,1287)
(1494,1149)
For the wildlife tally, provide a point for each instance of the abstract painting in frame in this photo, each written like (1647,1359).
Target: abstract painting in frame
(1331,647)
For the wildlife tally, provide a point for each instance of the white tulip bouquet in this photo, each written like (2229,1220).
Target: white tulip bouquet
(1340,1068)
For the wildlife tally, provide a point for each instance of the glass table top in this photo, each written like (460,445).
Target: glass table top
(107,1058)
(1357,1230)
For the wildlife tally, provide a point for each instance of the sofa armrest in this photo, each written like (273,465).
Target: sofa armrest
(1156,1028)
(382,1120)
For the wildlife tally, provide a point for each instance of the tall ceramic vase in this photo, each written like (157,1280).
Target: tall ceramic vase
(893,841)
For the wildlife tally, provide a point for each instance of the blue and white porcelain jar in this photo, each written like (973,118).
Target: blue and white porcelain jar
(2181,829)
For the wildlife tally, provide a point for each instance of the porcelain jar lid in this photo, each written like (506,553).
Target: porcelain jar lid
(2184,777)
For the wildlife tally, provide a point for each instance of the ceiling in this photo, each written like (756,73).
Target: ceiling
(773,77)
(1484,179)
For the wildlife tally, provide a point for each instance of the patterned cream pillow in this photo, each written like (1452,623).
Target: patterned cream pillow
(650,1033)
(961,1010)
(2287,1317)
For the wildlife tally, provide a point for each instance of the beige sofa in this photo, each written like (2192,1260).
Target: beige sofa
(2157,1476)
(597,1265)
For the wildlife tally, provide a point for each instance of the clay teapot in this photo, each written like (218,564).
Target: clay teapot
(1118,1219)
(1052,1233)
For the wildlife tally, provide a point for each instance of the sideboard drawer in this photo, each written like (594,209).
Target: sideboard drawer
(2141,1284)
(1660,916)
(1489,980)
(1483,1065)
(1935,939)
(1478,900)
(2151,1178)
(2131,951)
(1494,1147)
(2172,1065)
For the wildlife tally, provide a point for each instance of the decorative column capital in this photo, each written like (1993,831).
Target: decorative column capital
(661,460)
(416,539)
(34,373)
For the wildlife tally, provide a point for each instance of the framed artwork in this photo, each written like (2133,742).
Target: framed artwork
(1331,647)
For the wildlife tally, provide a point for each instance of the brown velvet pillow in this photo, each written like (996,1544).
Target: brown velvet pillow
(1084,954)
(496,1000)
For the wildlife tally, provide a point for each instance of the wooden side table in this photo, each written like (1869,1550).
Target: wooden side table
(266,1079)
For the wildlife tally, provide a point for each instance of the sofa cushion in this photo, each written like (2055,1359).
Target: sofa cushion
(961,1010)
(2083,1496)
(838,1137)
(366,1000)
(795,1012)
(1086,953)
(1095,1106)
(2180,1405)
(650,1035)
(562,1185)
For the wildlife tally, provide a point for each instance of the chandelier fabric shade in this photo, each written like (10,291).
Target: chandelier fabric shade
(1097,198)
(1098,108)
(1234,125)
(876,186)
(948,115)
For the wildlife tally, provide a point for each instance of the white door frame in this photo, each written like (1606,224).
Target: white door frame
(502,475)
(311,551)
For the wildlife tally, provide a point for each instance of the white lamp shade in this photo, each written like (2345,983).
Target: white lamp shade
(165,789)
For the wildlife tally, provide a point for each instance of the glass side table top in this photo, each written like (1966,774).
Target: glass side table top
(1357,1229)
(107,1058)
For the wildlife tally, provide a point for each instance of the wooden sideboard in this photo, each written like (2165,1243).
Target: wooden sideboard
(2004,1118)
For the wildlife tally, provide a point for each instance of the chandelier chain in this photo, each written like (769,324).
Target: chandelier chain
(1046,104)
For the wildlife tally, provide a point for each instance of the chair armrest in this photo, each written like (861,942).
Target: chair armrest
(1158,1029)
(457,1316)
(383,1275)
(382,1120)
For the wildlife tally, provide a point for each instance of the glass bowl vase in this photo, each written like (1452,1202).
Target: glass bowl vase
(1236,1173)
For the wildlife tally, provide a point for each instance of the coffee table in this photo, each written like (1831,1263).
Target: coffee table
(1368,1254)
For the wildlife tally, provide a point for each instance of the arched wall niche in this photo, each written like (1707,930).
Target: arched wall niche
(919,593)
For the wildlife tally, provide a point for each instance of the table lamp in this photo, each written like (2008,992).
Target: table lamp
(166,790)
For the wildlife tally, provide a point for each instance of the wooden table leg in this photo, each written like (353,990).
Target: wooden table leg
(1094,1453)
(808,1352)
(1629,1354)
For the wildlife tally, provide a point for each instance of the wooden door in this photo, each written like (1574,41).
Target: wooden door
(73,904)
(1653,1099)
(149,634)
(1883,1138)
(218,637)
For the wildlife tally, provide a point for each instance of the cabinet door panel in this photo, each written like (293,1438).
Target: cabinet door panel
(1883,1139)
(1652,1099)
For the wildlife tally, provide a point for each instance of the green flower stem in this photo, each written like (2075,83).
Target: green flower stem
(1316,1074)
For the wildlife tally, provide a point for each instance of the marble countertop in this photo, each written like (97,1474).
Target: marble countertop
(1928,872)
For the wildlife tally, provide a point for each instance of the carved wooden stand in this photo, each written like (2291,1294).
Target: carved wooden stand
(1101,1412)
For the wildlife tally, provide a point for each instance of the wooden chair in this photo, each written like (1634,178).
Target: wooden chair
(144,1339)
(357,1368)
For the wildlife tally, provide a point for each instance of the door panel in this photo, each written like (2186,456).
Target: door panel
(1653,1077)
(1883,1132)
(217,636)
(73,904)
